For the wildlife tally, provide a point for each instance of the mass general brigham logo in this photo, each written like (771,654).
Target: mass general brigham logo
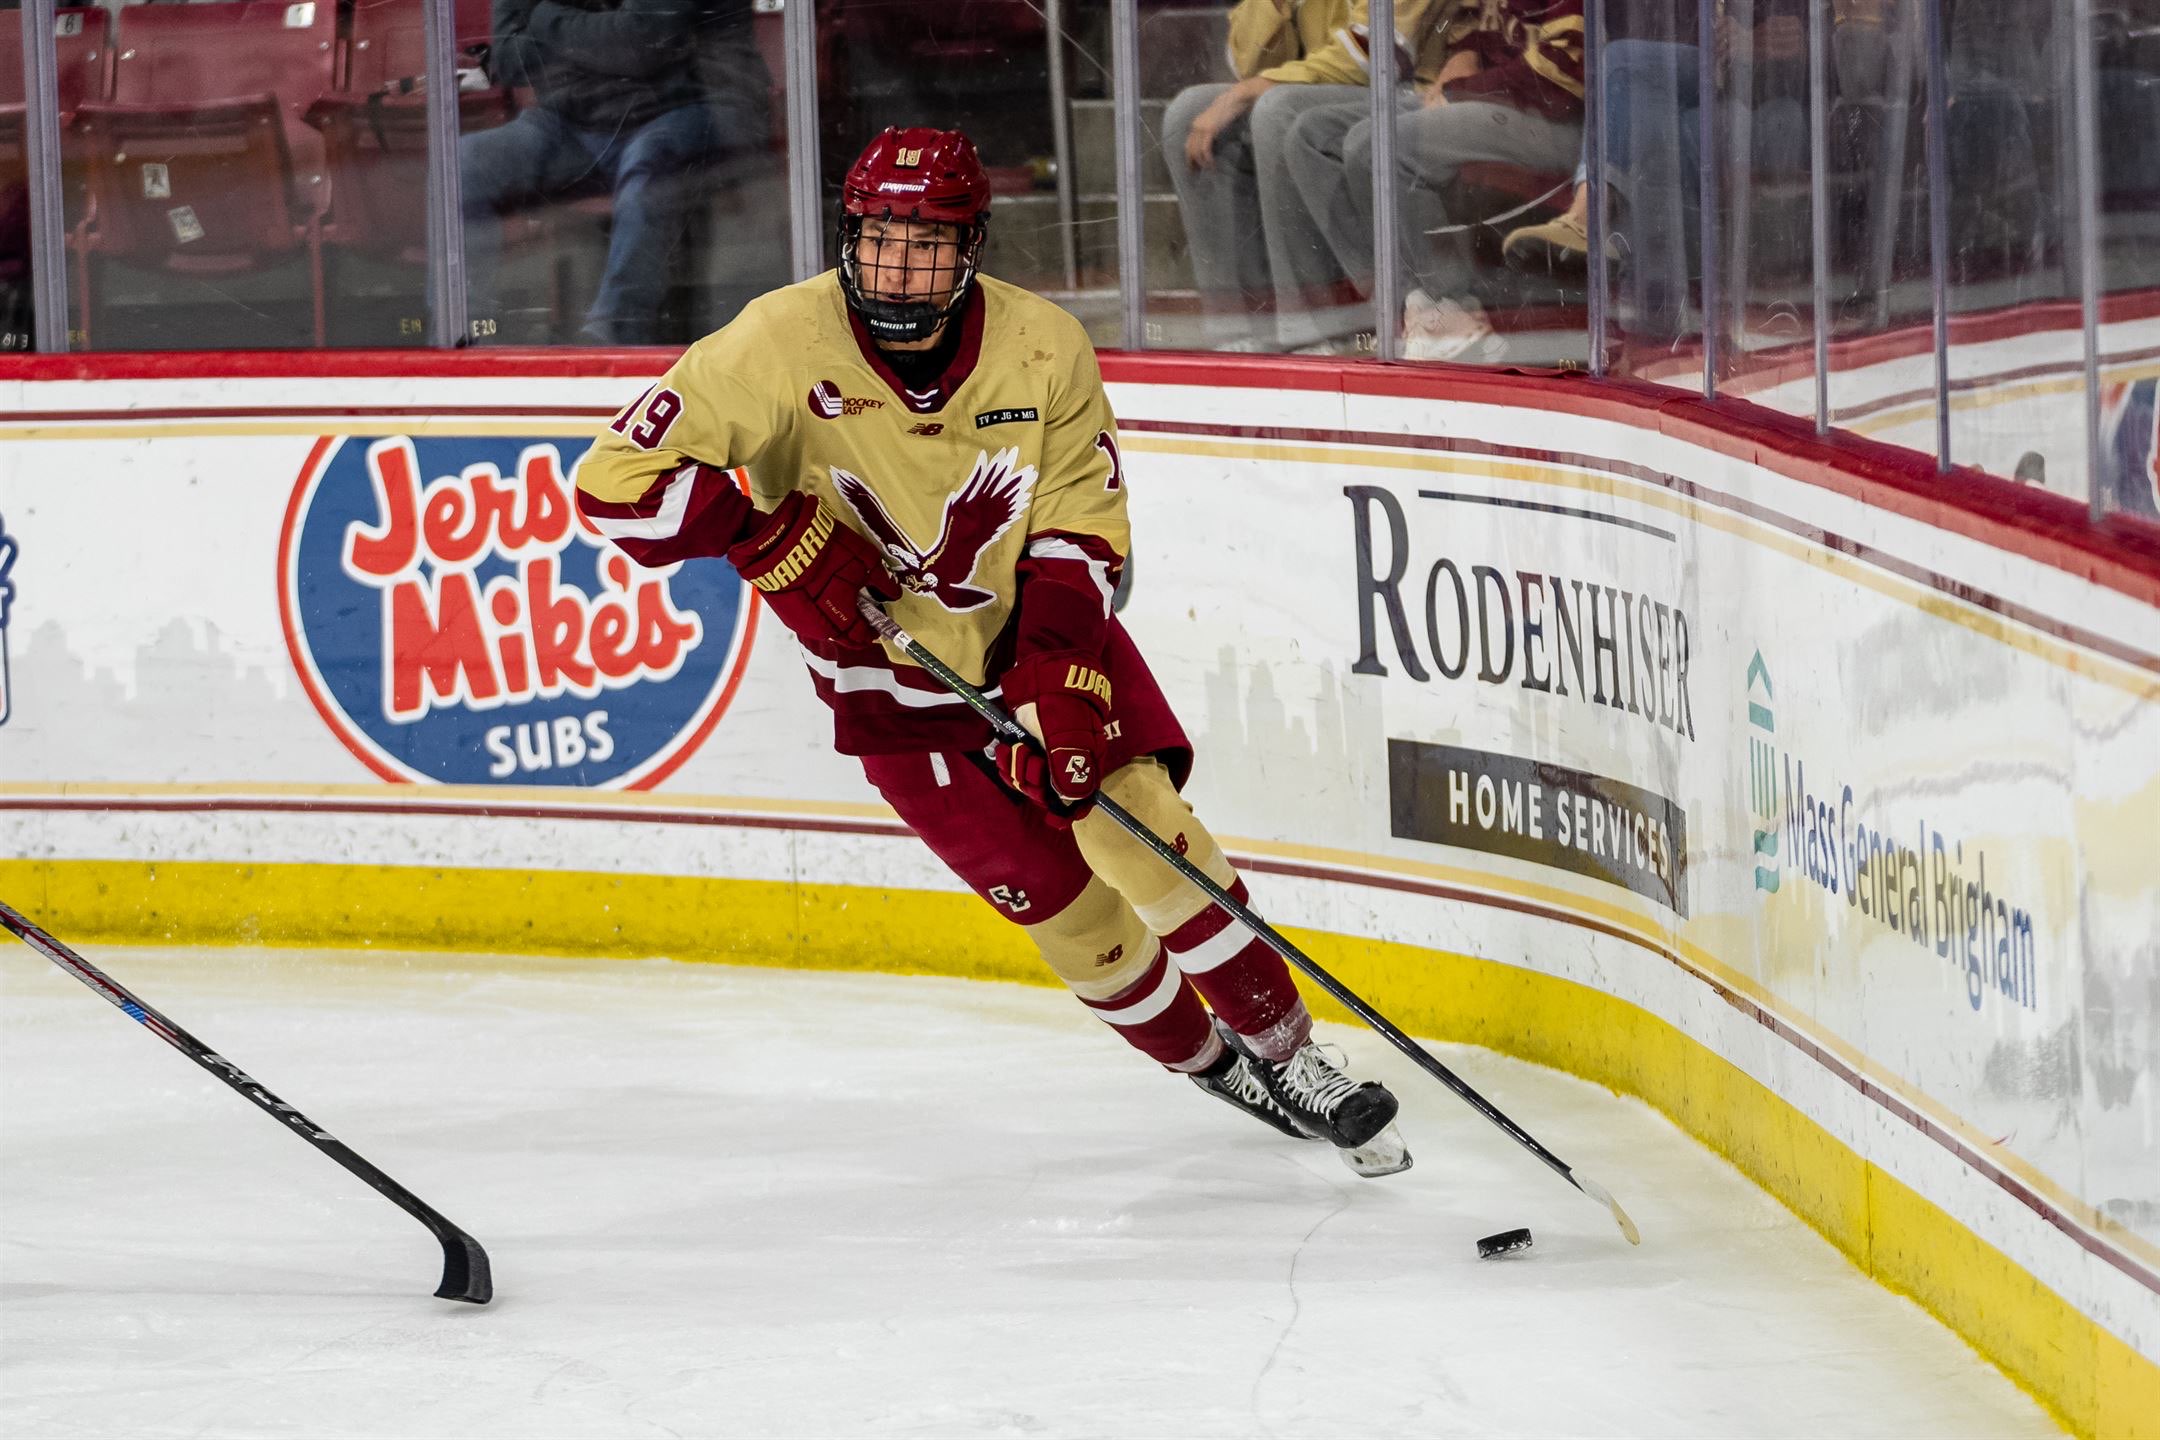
(455,621)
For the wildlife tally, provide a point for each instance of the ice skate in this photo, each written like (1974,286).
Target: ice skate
(1234,1079)
(1356,1116)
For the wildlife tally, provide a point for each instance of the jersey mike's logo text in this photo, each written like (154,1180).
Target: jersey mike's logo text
(454,620)
(974,518)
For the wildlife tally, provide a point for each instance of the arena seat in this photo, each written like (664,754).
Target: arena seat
(374,125)
(85,68)
(84,59)
(217,93)
(386,43)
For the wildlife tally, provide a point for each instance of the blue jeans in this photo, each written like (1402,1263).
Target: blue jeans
(1653,144)
(653,171)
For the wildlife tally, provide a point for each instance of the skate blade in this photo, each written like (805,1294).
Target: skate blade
(1384,1154)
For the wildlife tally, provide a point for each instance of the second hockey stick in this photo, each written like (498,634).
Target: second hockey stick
(465,1265)
(1012,732)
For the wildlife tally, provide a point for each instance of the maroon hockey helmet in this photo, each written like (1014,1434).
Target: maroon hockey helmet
(919,174)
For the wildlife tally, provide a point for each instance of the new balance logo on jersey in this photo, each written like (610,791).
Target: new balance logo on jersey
(927,427)
(982,510)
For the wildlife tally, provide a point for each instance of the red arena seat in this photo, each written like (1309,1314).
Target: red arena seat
(84,59)
(374,127)
(201,163)
(85,62)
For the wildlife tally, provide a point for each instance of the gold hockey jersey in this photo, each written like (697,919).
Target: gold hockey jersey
(996,494)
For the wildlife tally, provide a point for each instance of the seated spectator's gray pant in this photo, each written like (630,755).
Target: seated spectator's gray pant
(1330,149)
(1254,245)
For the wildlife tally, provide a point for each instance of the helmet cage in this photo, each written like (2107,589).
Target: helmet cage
(907,321)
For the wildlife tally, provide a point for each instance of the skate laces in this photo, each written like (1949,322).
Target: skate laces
(1245,1083)
(1316,1083)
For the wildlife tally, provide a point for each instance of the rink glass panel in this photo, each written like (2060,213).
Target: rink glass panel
(2010,189)
(1265,245)
(1470,169)
(202,156)
(2126,62)
(1037,108)
(1881,282)
(1650,147)
(17,306)
(1765,206)
(637,198)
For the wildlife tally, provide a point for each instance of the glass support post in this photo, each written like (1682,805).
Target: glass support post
(447,322)
(806,213)
(1061,142)
(1380,56)
(1938,181)
(1819,200)
(2086,100)
(1131,205)
(1708,13)
(1594,175)
(41,144)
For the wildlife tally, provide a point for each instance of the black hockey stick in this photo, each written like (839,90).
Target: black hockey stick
(1011,732)
(465,1264)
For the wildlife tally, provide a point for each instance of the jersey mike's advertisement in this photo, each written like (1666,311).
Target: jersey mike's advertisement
(454,621)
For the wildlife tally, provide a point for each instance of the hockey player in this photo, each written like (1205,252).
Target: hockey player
(907,426)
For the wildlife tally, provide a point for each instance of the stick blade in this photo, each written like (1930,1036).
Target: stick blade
(1604,1197)
(466,1275)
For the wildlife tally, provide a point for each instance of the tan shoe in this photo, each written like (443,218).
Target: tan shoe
(1562,243)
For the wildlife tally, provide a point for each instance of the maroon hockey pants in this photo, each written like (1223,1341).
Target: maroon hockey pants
(1140,945)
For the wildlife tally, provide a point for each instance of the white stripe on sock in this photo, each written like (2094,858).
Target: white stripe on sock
(1218,949)
(1148,1006)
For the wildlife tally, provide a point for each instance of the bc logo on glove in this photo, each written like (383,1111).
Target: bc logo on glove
(455,622)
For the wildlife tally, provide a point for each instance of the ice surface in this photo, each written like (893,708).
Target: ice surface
(729,1201)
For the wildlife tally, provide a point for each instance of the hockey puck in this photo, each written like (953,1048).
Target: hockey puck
(1504,1243)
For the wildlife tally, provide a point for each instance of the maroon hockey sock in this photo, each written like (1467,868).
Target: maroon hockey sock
(1245,982)
(1161,1017)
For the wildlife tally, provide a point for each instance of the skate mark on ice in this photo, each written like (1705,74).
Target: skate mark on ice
(1297,1307)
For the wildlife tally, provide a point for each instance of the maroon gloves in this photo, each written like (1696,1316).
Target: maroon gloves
(810,568)
(1071,696)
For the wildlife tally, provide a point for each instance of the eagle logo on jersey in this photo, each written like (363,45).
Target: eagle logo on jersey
(981,511)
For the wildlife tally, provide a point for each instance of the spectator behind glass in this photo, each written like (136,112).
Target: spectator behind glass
(1267,278)
(1643,78)
(1653,97)
(1509,91)
(638,98)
